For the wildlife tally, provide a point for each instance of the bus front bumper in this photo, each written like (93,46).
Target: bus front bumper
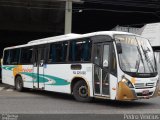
(124,93)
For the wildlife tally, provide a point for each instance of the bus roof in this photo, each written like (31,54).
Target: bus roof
(68,37)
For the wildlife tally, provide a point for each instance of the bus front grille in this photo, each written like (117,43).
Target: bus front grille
(144,85)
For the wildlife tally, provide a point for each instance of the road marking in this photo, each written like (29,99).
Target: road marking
(1,88)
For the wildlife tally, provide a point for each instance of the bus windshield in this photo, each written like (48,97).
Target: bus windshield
(135,55)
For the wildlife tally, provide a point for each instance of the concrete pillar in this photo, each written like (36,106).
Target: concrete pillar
(68,17)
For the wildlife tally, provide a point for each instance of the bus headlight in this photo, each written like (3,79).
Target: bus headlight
(127,82)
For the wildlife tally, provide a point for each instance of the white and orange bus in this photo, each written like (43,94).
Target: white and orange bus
(108,64)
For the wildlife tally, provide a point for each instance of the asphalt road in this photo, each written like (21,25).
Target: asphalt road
(41,102)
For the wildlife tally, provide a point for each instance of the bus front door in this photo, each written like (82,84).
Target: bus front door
(101,60)
(38,79)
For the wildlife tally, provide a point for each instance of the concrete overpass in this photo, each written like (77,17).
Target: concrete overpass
(22,21)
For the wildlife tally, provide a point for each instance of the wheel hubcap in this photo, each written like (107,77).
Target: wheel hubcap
(83,92)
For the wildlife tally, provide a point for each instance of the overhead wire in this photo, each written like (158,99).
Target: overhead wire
(58,7)
(126,3)
(85,9)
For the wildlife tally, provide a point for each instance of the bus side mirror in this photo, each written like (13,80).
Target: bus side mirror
(119,48)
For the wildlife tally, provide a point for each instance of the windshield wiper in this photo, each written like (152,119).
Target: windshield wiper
(147,58)
(139,60)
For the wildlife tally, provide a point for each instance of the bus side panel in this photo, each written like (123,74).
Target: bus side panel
(60,77)
(28,76)
(7,74)
(113,87)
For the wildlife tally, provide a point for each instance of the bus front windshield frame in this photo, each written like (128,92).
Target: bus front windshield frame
(136,56)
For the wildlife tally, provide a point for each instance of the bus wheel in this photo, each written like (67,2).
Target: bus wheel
(19,84)
(80,92)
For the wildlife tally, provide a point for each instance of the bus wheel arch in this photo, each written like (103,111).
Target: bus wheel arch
(18,83)
(77,85)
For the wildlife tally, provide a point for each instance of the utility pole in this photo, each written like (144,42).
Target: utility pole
(68,17)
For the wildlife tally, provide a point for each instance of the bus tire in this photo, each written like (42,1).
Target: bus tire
(80,91)
(19,84)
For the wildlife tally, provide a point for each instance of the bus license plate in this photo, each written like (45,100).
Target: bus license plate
(145,92)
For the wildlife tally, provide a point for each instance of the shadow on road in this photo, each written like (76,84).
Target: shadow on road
(99,102)
(111,103)
(49,94)
(123,104)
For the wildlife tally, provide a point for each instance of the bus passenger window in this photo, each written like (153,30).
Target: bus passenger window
(52,53)
(14,56)
(64,51)
(26,55)
(97,56)
(58,52)
(6,60)
(106,56)
(80,51)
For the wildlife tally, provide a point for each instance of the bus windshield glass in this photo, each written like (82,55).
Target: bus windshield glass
(135,54)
